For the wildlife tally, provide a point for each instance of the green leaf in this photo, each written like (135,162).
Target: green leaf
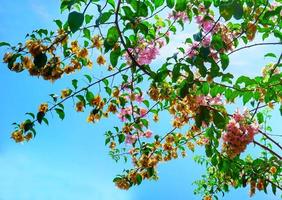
(226,11)
(74,83)
(114,56)
(205,88)
(247,97)
(87,33)
(40,60)
(224,59)
(112,3)
(89,96)
(40,116)
(219,120)
(45,121)
(237,9)
(105,17)
(75,21)
(121,138)
(158,3)
(88,18)
(30,114)
(88,77)
(59,23)
(143,10)
(176,72)
(260,118)
(60,113)
(181,5)
(270,55)
(112,36)
(170,3)
(4,44)
(208,151)
(138,179)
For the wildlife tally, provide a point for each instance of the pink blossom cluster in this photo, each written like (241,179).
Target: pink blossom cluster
(240,132)
(130,139)
(209,28)
(124,112)
(206,25)
(208,100)
(178,16)
(146,52)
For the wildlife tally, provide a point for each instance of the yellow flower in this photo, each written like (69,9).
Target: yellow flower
(96,101)
(207,197)
(112,108)
(18,136)
(83,53)
(28,136)
(43,108)
(27,63)
(273,170)
(7,57)
(112,145)
(97,41)
(69,69)
(101,60)
(65,93)
(74,47)
(79,106)
(122,184)
(91,118)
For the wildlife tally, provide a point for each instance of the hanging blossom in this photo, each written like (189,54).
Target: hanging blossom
(146,52)
(131,138)
(240,132)
(124,112)
(208,100)
(178,16)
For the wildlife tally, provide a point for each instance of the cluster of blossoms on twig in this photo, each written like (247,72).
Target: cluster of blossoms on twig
(241,130)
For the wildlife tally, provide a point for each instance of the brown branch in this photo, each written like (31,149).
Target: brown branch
(123,42)
(267,149)
(269,138)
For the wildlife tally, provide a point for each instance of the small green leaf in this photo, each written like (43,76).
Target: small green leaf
(60,113)
(181,5)
(89,96)
(75,21)
(219,120)
(121,138)
(237,9)
(40,116)
(226,10)
(224,59)
(112,36)
(170,3)
(74,83)
(88,77)
(4,44)
(40,60)
(138,179)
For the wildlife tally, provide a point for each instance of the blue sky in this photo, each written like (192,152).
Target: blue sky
(68,159)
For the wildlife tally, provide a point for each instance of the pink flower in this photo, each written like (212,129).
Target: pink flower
(143,112)
(148,134)
(199,19)
(206,41)
(178,16)
(191,50)
(123,113)
(130,139)
(207,26)
(139,98)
